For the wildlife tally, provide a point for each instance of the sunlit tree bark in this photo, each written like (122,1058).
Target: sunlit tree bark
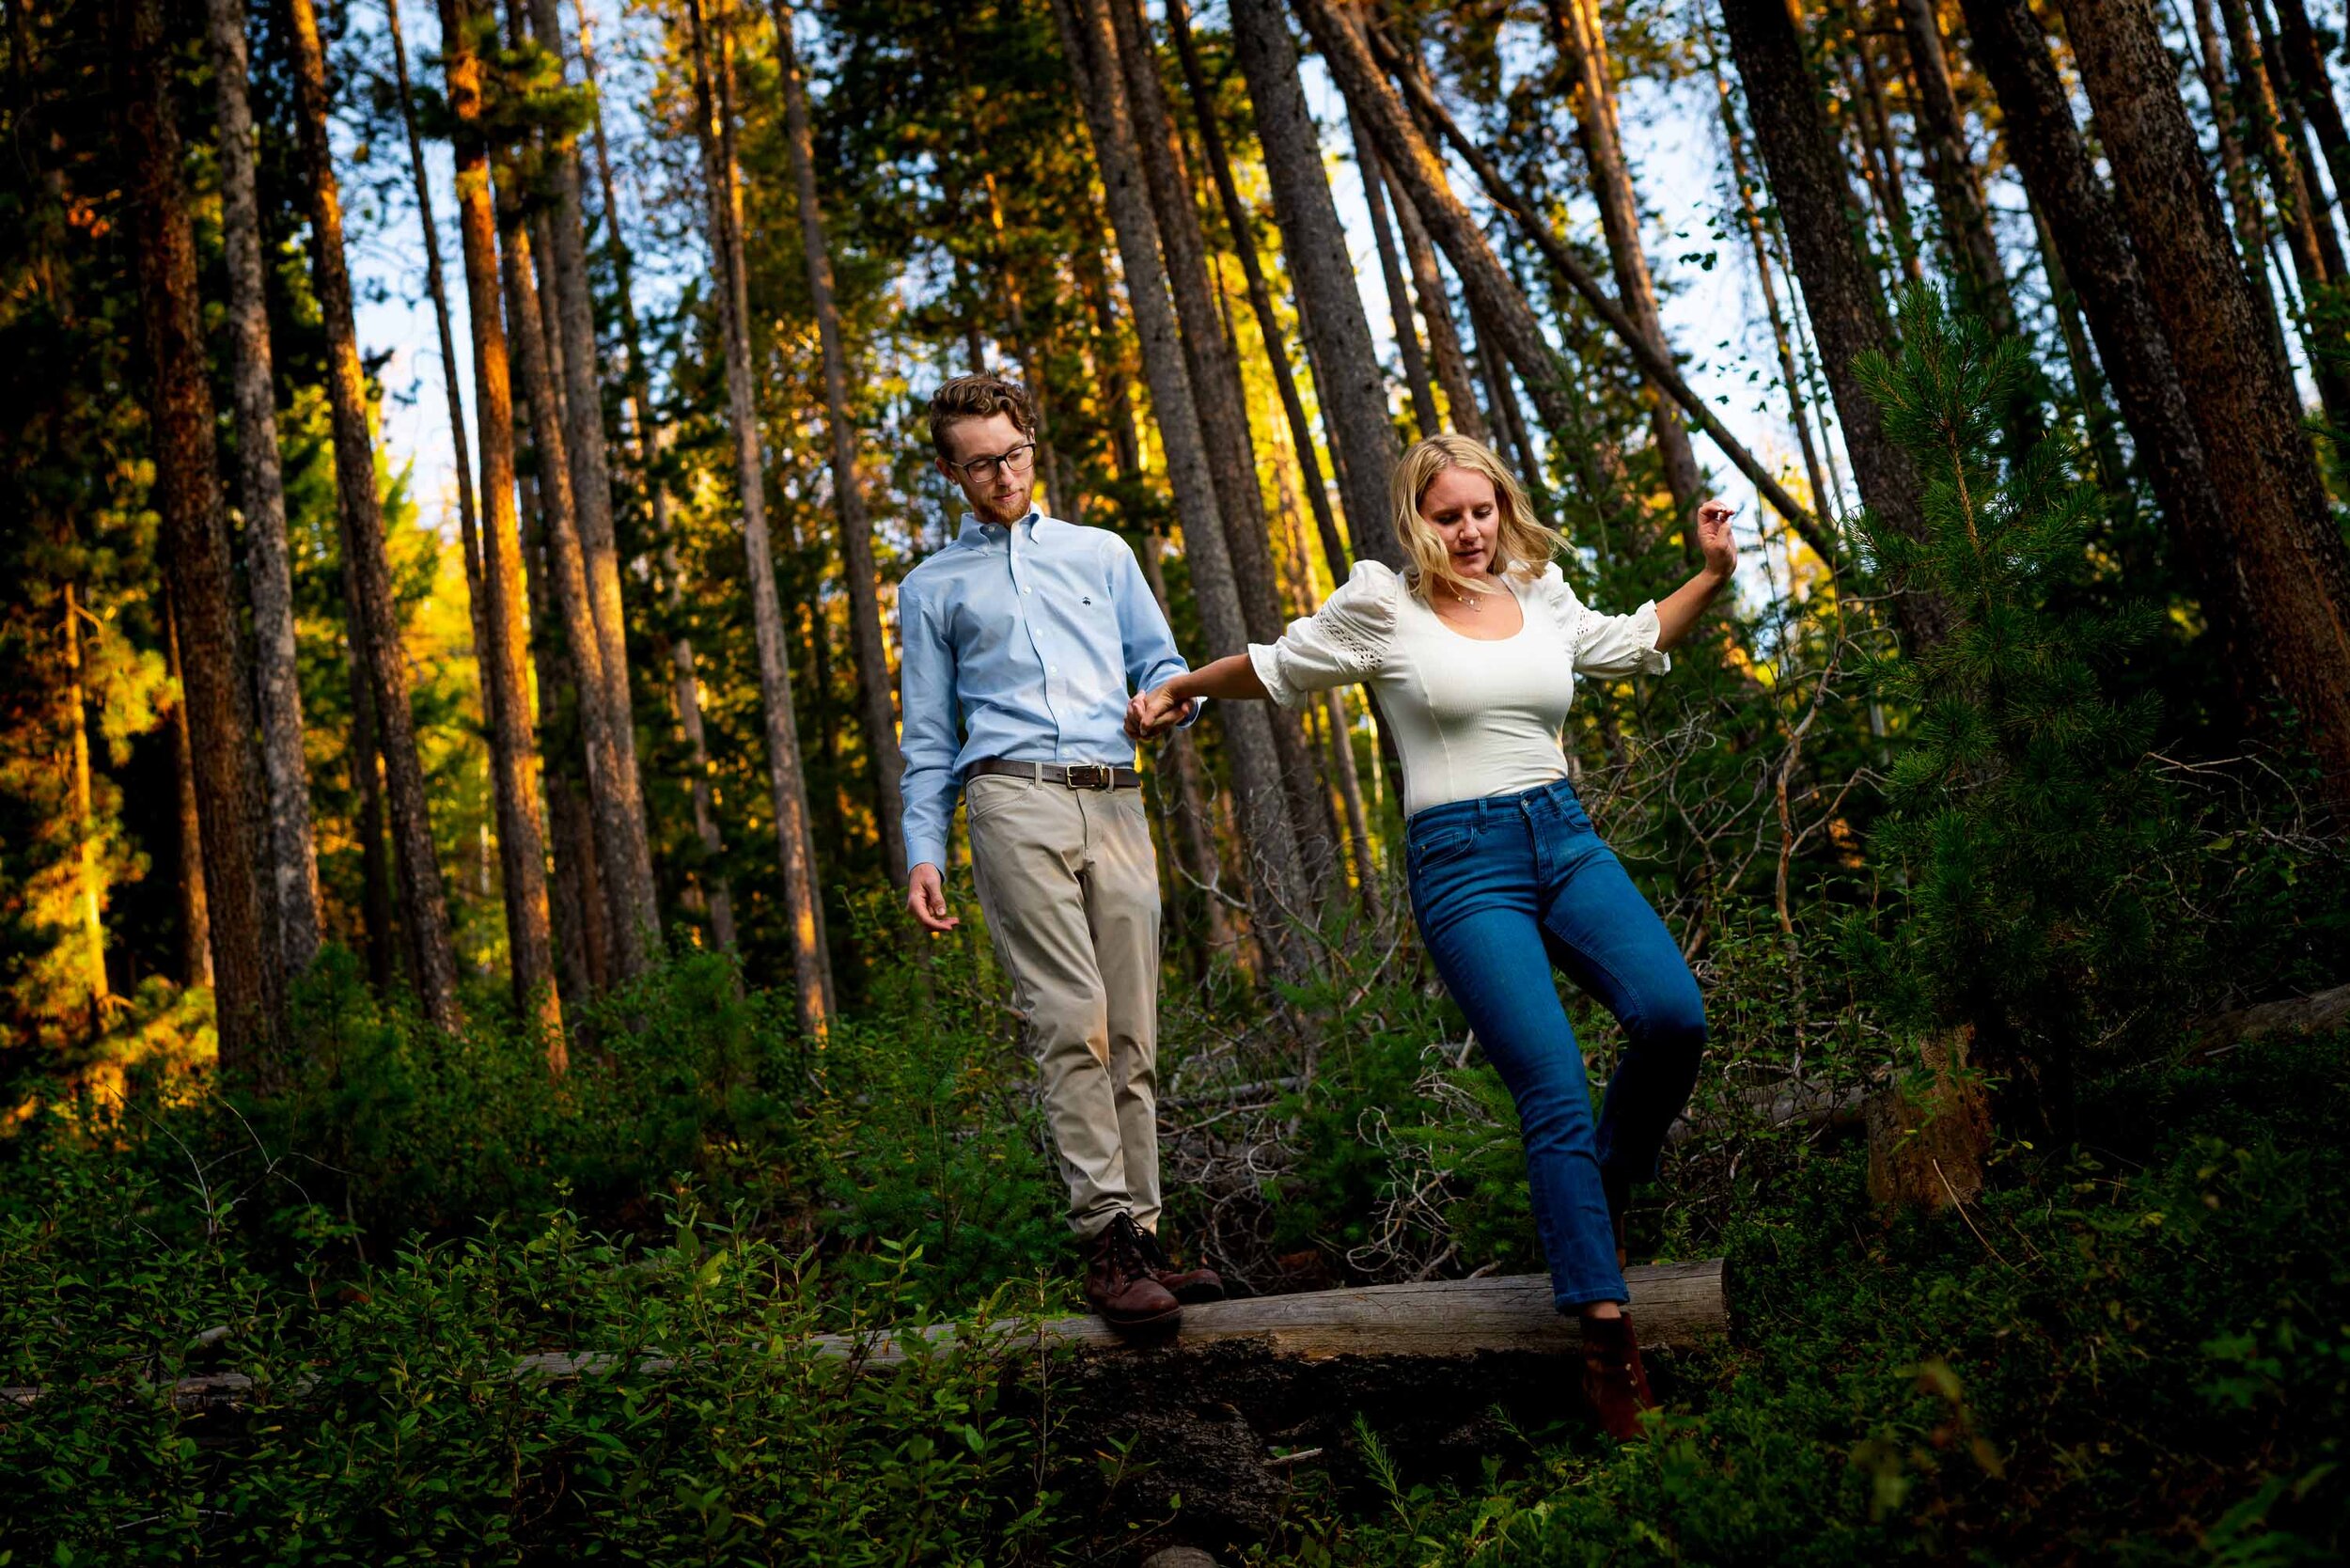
(262,497)
(423,909)
(795,847)
(710,878)
(1591,92)
(874,710)
(626,854)
(246,998)
(1276,880)
(1350,387)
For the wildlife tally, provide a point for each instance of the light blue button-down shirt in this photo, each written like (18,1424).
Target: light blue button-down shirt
(1027,640)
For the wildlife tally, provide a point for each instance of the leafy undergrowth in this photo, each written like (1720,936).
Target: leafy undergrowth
(2133,1352)
(2139,1354)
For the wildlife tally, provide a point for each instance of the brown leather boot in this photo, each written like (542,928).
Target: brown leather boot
(1614,1381)
(1187,1285)
(1119,1285)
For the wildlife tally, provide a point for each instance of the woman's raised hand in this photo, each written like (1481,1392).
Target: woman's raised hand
(1721,555)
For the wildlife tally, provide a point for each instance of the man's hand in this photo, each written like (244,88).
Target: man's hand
(1152,713)
(925,895)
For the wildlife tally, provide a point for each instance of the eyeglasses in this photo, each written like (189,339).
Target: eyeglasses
(982,469)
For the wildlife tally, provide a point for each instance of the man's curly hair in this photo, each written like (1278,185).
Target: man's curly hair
(979,397)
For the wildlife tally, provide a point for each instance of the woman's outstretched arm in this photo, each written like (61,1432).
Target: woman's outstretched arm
(1679,612)
(1151,714)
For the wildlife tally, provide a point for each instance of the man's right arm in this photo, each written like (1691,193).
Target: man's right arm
(926,692)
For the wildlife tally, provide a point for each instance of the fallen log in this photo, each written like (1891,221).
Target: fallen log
(1675,1305)
(2313,1014)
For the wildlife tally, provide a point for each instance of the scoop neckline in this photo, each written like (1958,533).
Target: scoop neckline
(1526,619)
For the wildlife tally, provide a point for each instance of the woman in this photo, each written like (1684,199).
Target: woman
(1473,650)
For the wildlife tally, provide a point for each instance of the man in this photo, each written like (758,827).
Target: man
(1022,642)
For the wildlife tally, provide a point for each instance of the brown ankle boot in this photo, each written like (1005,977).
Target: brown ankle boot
(1614,1381)
(1187,1285)
(1119,1285)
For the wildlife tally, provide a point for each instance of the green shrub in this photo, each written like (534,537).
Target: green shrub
(2099,1362)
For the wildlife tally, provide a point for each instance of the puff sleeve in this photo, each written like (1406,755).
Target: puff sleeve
(1343,642)
(1604,644)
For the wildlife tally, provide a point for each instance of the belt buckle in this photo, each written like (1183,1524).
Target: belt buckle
(1091,775)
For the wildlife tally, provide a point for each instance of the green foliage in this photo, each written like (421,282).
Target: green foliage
(899,1129)
(2021,812)
(2102,1362)
(392,1416)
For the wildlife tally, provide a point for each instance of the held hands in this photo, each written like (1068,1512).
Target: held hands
(1152,713)
(1714,541)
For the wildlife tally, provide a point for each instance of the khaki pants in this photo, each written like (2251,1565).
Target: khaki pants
(1070,889)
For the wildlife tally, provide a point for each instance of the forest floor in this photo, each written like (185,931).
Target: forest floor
(2136,1350)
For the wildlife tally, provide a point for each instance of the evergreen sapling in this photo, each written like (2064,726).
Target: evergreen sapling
(2022,815)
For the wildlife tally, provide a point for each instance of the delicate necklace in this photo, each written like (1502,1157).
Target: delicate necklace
(1474,601)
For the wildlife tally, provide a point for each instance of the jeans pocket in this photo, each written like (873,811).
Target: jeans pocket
(1424,851)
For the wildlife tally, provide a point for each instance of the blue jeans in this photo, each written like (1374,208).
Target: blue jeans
(1506,889)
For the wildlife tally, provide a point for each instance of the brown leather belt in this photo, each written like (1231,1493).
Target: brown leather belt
(1077,776)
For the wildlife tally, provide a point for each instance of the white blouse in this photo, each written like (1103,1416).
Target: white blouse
(1471,717)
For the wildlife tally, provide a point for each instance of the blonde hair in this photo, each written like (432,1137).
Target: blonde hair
(1522,545)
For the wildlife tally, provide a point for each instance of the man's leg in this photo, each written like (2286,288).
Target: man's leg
(1027,853)
(1121,900)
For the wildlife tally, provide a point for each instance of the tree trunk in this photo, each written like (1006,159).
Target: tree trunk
(89,888)
(514,750)
(1824,500)
(2091,238)
(1592,91)
(2309,233)
(2251,225)
(1840,284)
(583,946)
(710,877)
(2089,385)
(1221,403)
(1435,309)
(2306,154)
(1880,162)
(196,926)
(1966,234)
(1260,292)
(2304,63)
(1942,138)
(795,846)
(292,866)
(247,1002)
(1350,386)
(505,700)
(625,858)
(431,961)
(2287,545)
(1191,802)
(377,933)
(612,798)
(1506,320)
(1407,347)
(878,719)
(1089,44)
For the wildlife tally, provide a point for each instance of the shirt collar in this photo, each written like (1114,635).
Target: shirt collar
(976,532)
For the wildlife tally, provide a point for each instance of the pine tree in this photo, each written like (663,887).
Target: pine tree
(2020,807)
